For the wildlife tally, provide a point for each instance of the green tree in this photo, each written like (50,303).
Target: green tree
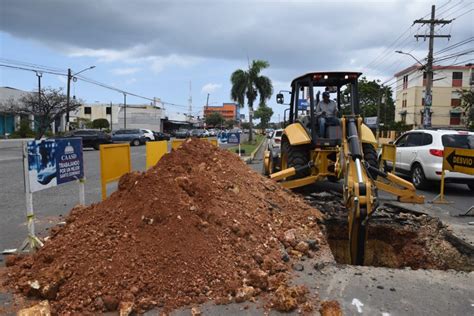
(245,125)
(214,119)
(100,123)
(249,84)
(467,100)
(229,124)
(371,94)
(264,113)
(46,110)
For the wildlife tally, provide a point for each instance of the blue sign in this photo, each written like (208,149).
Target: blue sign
(303,104)
(54,161)
(233,138)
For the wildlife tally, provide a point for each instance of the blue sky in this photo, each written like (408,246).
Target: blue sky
(155,48)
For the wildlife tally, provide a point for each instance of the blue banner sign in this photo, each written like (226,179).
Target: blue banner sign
(303,104)
(233,138)
(54,161)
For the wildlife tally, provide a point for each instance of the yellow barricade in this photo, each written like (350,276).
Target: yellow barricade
(154,152)
(115,161)
(175,143)
(389,153)
(214,142)
(455,160)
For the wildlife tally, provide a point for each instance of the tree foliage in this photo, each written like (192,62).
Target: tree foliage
(51,108)
(214,119)
(100,123)
(229,124)
(264,113)
(249,84)
(371,93)
(467,100)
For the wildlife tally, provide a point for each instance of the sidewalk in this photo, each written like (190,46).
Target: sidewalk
(13,143)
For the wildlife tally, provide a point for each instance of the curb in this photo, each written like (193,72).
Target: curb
(252,155)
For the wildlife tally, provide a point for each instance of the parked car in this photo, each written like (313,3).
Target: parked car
(149,135)
(212,132)
(420,155)
(182,133)
(199,133)
(91,138)
(161,136)
(134,136)
(274,143)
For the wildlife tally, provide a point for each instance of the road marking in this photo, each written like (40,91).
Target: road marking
(385,314)
(358,304)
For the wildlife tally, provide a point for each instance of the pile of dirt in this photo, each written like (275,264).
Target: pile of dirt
(198,226)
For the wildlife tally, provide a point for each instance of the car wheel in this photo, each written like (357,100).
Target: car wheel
(418,177)
(471,186)
(136,142)
(148,139)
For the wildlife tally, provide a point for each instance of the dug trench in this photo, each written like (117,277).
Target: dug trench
(397,238)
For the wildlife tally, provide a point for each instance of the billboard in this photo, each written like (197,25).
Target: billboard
(54,161)
(303,104)
(233,138)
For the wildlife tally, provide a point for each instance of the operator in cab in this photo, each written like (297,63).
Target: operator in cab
(326,112)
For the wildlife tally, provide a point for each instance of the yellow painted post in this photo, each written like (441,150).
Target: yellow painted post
(154,152)
(441,194)
(176,143)
(115,161)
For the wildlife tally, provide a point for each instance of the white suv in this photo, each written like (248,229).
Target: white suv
(420,155)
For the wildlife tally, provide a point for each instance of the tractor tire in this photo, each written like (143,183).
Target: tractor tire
(370,156)
(294,156)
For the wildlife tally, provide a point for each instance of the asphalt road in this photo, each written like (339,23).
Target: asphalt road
(51,203)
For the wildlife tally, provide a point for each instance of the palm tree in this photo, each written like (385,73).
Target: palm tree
(250,84)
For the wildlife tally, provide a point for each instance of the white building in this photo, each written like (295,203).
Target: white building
(445,110)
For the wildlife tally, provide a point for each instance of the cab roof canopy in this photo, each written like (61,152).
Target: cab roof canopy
(327,78)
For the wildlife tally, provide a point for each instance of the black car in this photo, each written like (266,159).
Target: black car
(182,133)
(91,138)
(161,136)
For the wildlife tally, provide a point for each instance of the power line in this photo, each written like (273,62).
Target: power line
(85,79)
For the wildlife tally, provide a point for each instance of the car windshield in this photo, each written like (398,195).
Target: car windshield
(278,133)
(458,141)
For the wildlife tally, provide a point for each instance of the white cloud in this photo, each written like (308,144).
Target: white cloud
(125,71)
(210,87)
(158,63)
(62,79)
(131,80)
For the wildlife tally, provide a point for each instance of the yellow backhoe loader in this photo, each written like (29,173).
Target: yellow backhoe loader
(347,150)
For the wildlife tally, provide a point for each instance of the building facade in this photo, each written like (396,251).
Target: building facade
(446,110)
(230,111)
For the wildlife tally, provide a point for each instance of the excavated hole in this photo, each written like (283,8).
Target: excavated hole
(397,239)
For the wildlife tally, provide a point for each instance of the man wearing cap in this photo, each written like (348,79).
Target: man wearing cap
(326,111)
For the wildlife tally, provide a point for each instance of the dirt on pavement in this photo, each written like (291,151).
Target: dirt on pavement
(198,226)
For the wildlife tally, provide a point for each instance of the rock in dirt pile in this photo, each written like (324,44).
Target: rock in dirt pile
(198,226)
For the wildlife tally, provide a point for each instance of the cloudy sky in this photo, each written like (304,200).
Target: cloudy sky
(156,48)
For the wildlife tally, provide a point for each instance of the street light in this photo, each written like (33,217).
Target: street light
(403,53)
(69,77)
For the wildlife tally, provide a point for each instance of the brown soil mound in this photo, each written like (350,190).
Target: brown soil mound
(198,226)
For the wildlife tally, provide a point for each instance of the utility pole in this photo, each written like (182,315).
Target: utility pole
(68,96)
(429,64)
(111,118)
(124,110)
(190,101)
(377,132)
(39,75)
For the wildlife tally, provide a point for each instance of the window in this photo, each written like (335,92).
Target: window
(414,139)
(427,139)
(405,82)
(455,119)
(404,100)
(458,141)
(404,118)
(455,99)
(401,142)
(457,79)
(108,110)
(87,110)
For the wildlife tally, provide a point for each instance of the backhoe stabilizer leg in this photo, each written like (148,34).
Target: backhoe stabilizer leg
(407,192)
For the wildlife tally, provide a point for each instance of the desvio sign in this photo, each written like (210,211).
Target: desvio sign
(54,161)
